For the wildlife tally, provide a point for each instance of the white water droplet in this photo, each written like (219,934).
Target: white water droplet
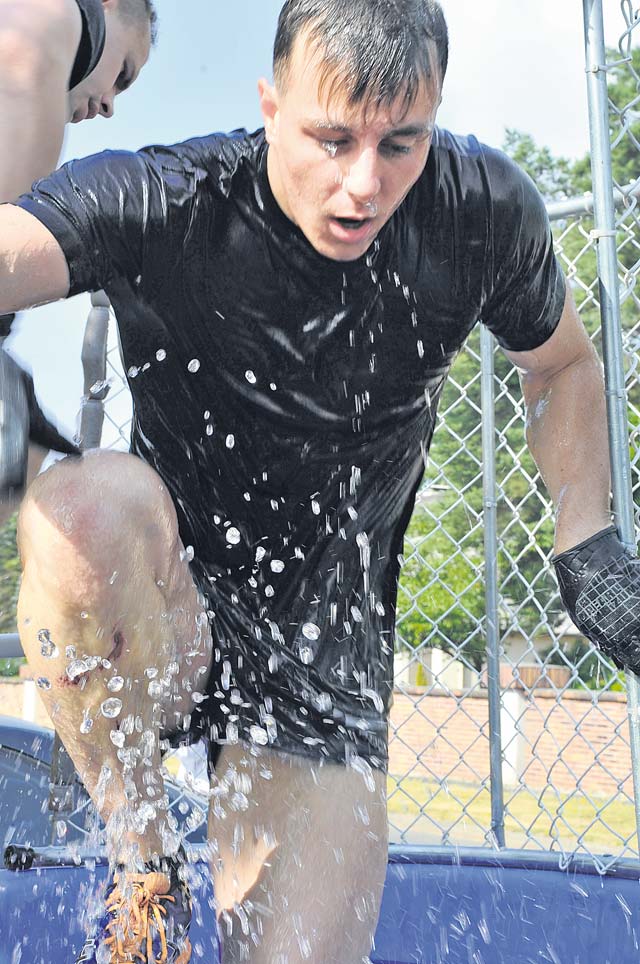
(273,663)
(151,672)
(209,430)
(43,683)
(306,655)
(250,376)
(117,737)
(268,591)
(277,565)
(230,441)
(87,723)
(133,371)
(273,387)
(161,354)
(315,507)
(48,649)
(260,553)
(76,668)
(311,631)
(111,708)
(258,735)
(194,366)
(115,684)
(233,536)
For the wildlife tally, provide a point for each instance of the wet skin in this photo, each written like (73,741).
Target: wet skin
(338,171)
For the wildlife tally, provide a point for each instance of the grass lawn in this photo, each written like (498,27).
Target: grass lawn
(573,821)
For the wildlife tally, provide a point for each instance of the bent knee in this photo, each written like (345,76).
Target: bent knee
(93,509)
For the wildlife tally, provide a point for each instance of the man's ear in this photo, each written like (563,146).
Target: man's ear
(269,107)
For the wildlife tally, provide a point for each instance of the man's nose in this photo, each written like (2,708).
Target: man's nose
(363,179)
(106,105)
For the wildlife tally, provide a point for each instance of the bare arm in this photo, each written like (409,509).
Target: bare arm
(33,269)
(564,395)
(38,44)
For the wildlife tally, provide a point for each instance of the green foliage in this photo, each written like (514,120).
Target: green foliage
(9,576)
(444,544)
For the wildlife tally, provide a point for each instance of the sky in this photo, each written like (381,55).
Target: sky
(513,63)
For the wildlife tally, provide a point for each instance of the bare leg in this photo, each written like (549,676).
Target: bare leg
(114,630)
(302,855)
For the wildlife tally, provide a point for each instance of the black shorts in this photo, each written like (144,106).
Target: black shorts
(250,700)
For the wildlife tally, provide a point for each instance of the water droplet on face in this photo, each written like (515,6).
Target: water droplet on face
(233,536)
(117,737)
(155,689)
(70,652)
(209,430)
(268,591)
(151,672)
(230,441)
(161,354)
(250,376)
(260,553)
(111,708)
(194,366)
(311,631)
(273,663)
(273,387)
(315,507)
(277,565)
(43,683)
(133,371)
(48,649)
(306,655)
(84,614)
(115,684)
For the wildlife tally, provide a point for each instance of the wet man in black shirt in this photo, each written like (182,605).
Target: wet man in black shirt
(289,304)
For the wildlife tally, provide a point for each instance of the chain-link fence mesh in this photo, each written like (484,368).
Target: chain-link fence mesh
(566,762)
(565,746)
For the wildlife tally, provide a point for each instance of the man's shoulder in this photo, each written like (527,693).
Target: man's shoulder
(476,164)
(216,154)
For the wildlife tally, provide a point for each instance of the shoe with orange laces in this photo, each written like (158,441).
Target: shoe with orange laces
(146,920)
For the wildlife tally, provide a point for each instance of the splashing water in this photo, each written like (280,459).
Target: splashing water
(111,708)
(48,649)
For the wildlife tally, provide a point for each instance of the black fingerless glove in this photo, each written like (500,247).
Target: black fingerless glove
(599,584)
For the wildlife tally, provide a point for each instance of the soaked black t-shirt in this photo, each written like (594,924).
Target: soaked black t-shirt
(288,400)
(92,40)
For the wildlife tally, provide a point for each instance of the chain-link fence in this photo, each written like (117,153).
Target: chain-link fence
(565,760)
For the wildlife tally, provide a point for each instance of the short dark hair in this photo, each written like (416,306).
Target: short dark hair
(372,50)
(136,9)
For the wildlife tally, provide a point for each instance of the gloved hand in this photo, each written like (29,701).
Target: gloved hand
(600,587)
(22,421)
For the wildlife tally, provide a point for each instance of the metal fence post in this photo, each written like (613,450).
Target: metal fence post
(605,237)
(492,619)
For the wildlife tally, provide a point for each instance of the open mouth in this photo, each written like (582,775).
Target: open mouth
(352,224)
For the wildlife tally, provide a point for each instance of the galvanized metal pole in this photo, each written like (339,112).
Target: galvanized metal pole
(605,237)
(492,617)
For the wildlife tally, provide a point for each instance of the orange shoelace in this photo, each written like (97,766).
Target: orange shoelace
(139,915)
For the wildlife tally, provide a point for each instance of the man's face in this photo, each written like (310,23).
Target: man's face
(126,50)
(337,171)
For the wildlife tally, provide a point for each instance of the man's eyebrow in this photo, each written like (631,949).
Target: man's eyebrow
(408,130)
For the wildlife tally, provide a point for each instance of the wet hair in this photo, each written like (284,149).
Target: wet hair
(137,9)
(374,51)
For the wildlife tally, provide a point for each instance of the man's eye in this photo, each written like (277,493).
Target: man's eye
(394,150)
(332,147)
(123,80)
